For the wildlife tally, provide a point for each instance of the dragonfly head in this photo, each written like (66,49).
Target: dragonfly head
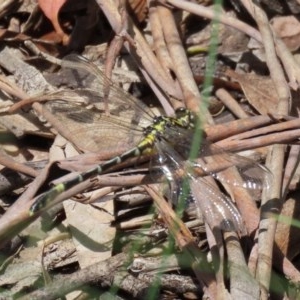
(185,118)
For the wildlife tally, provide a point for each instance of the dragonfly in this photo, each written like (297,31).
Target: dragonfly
(131,125)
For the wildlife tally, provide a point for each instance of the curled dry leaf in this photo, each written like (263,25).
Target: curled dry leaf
(259,91)
(288,29)
(139,8)
(51,10)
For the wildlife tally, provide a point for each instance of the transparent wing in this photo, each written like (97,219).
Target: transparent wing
(213,160)
(94,131)
(81,109)
(85,74)
(210,203)
(217,209)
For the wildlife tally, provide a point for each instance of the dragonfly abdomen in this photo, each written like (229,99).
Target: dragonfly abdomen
(43,200)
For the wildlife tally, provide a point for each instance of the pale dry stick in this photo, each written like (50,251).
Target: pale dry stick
(265,129)
(247,287)
(10,87)
(216,246)
(160,47)
(134,222)
(252,137)
(291,66)
(257,142)
(252,260)
(280,262)
(275,160)
(159,44)
(175,225)
(181,65)
(142,53)
(114,49)
(209,13)
(7,161)
(223,131)
(231,103)
(36,51)
(290,168)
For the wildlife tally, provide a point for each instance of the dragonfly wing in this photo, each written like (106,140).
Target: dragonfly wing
(86,74)
(81,109)
(212,160)
(92,131)
(217,209)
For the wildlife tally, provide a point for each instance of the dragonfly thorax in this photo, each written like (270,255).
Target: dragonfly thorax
(157,127)
(184,118)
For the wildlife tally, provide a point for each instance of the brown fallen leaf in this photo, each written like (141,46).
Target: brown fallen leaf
(139,8)
(259,91)
(288,29)
(51,10)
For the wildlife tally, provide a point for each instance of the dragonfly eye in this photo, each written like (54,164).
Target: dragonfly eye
(181,111)
(193,119)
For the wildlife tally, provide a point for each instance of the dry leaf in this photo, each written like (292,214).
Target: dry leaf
(139,8)
(51,10)
(91,230)
(288,29)
(259,91)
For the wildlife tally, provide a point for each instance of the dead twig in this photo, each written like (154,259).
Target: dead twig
(275,159)
(181,66)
